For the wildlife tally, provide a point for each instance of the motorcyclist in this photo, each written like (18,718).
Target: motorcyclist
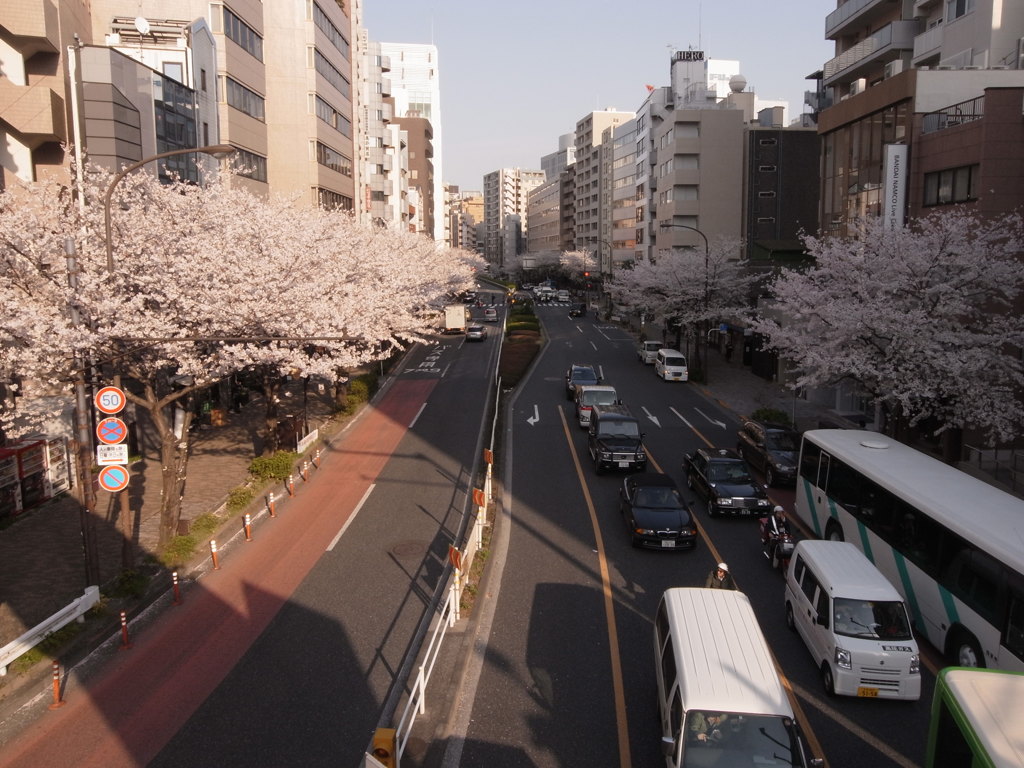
(777,526)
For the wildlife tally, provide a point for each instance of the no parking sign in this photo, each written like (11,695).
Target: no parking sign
(114,478)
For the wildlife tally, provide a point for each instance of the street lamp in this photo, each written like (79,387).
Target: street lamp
(707,270)
(215,150)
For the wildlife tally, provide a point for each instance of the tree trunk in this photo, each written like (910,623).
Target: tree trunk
(173,459)
(271,390)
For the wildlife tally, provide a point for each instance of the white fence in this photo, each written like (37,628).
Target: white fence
(63,617)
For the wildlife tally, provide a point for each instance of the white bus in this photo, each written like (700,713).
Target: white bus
(951,544)
(975,719)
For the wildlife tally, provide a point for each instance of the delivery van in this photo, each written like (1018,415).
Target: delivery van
(853,621)
(670,364)
(720,698)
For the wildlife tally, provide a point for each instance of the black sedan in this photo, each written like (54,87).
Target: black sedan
(578,310)
(771,448)
(723,479)
(579,375)
(655,513)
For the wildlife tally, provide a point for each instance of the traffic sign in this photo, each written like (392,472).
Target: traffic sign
(110,400)
(107,455)
(111,431)
(114,479)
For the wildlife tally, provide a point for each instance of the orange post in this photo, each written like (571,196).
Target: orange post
(213,554)
(270,504)
(125,642)
(177,589)
(58,702)
(316,459)
(291,485)
(248,526)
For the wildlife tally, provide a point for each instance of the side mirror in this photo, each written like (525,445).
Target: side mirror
(668,746)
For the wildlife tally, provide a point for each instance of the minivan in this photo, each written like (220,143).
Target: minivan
(720,698)
(853,621)
(670,364)
(614,439)
(562,296)
(648,351)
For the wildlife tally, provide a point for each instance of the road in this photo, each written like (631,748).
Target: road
(568,675)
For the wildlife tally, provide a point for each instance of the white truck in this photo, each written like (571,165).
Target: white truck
(456,318)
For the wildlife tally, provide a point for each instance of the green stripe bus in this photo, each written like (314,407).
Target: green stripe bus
(951,544)
(976,719)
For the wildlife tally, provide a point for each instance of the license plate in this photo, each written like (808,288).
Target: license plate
(869,693)
(623,463)
(668,543)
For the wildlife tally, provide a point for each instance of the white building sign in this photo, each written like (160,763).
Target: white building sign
(895,188)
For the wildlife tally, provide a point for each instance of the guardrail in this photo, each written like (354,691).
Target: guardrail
(29,640)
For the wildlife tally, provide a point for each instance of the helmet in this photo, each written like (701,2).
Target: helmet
(777,510)
(723,567)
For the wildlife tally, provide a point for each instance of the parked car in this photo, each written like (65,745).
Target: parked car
(579,375)
(614,439)
(647,352)
(771,448)
(490,315)
(578,310)
(589,395)
(655,514)
(476,333)
(724,481)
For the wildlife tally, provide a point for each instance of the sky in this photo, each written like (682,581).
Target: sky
(517,75)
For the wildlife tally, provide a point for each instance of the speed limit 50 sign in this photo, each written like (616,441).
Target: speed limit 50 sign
(109,400)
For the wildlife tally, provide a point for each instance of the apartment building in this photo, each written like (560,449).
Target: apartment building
(590,198)
(554,163)
(622,198)
(466,216)
(381,175)
(543,212)
(506,194)
(416,91)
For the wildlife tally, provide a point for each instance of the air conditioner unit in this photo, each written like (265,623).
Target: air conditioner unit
(858,86)
(999,66)
(923,69)
(971,66)
(893,68)
(945,67)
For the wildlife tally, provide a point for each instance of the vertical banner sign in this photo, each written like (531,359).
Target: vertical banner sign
(895,186)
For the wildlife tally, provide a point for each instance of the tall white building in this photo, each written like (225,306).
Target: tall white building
(416,90)
(591,197)
(506,195)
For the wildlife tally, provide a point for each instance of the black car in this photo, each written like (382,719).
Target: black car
(655,513)
(578,310)
(577,376)
(771,448)
(614,439)
(724,481)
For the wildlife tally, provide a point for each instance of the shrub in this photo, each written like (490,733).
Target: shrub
(517,325)
(206,524)
(275,467)
(131,584)
(178,551)
(516,355)
(773,416)
(240,498)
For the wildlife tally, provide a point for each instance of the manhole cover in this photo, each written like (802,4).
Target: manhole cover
(409,549)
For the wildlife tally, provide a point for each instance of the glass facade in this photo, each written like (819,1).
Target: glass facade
(175,111)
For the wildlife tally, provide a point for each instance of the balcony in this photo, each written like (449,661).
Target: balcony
(928,44)
(883,46)
(39,23)
(36,111)
(855,13)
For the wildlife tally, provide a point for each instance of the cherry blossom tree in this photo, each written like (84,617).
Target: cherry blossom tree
(925,318)
(205,282)
(682,289)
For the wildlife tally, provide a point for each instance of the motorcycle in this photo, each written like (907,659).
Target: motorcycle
(777,548)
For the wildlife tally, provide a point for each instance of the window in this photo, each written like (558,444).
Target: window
(330,200)
(331,74)
(173,70)
(243,99)
(333,34)
(957,8)
(246,37)
(333,159)
(250,165)
(332,117)
(202,80)
(954,185)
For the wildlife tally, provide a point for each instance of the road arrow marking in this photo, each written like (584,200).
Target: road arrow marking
(713,421)
(677,413)
(652,418)
(535,418)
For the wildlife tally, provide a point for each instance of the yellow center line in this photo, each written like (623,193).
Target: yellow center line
(618,690)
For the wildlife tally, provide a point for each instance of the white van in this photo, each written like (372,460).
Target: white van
(562,296)
(590,395)
(719,694)
(647,351)
(853,622)
(670,364)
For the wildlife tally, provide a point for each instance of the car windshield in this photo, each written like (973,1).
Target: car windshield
(782,441)
(733,473)
(584,376)
(739,739)
(620,429)
(658,497)
(871,618)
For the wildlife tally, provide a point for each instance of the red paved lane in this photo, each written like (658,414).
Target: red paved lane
(148,692)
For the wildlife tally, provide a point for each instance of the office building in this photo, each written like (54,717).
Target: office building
(506,195)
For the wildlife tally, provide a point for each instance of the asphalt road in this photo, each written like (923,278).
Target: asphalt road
(568,675)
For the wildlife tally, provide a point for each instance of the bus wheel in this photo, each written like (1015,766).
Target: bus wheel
(964,650)
(827,680)
(834,531)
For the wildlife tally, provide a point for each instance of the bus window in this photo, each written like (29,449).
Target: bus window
(951,747)
(1015,626)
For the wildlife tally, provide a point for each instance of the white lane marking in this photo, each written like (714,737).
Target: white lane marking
(351,517)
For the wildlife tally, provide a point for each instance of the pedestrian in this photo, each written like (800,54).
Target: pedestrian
(720,578)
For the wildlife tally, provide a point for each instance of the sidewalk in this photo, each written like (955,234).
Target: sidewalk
(42,566)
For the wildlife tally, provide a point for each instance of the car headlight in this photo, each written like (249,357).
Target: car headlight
(843,658)
(724,501)
(915,664)
(783,467)
(644,531)
(605,454)
(763,502)
(640,455)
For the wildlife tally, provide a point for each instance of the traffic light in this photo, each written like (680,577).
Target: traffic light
(586,274)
